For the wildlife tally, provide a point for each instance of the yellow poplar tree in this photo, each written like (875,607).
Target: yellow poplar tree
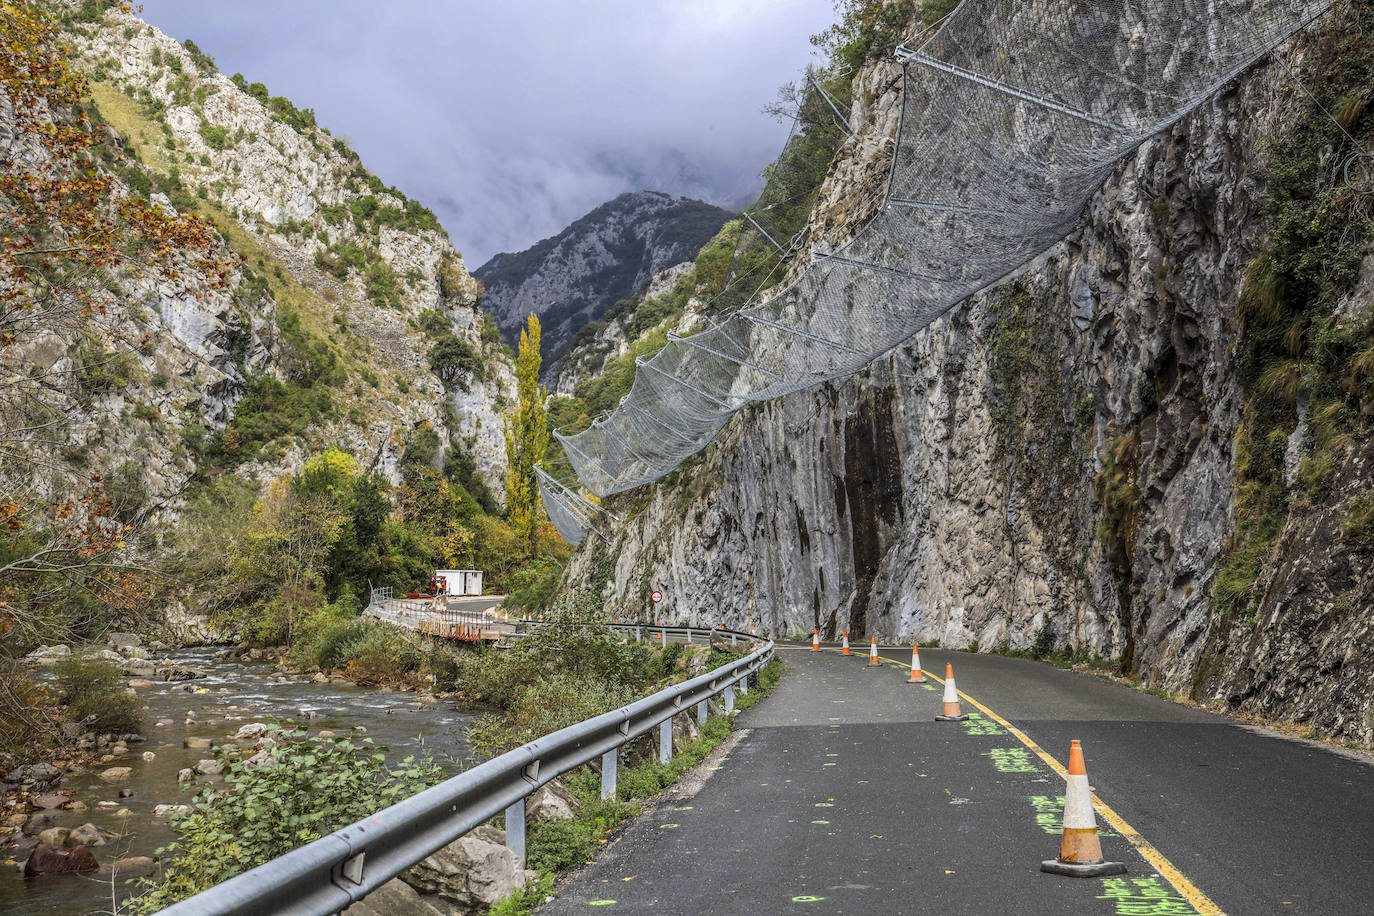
(527,437)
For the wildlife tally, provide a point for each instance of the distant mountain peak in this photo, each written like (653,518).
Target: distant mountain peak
(601,258)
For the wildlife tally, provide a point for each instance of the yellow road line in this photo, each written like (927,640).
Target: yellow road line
(1170,872)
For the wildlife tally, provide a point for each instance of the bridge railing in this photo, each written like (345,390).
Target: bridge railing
(419,615)
(337,870)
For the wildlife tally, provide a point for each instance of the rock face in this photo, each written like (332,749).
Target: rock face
(574,277)
(1054,458)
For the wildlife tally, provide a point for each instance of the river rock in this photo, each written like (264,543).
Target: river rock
(16,820)
(208,767)
(132,867)
(123,641)
(139,667)
(550,802)
(126,793)
(474,870)
(116,774)
(88,835)
(326,733)
(148,756)
(40,774)
(180,672)
(251,730)
(320,677)
(78,806)
(124,812)
(39,821)
(395,898)
(163,723)
(49,801)
(49,655)
(47,860)
(54,836)
(196,744)
(185,775)
(139,683)
(168,810)
(105,655)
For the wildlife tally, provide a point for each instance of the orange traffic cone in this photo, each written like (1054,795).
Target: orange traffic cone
(1080,851)
(815,640)
(752,631)
(917,675)
(873,653)
(845,644)
(951,713)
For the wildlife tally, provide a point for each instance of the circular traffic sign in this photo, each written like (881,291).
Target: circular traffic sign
(656,597)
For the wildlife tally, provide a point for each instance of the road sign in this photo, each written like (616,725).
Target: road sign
(656,597)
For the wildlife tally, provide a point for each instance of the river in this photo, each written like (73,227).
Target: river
(234,694)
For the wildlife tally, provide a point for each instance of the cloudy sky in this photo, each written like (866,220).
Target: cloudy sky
(511,118)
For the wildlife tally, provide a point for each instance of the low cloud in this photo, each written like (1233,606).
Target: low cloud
(510,120)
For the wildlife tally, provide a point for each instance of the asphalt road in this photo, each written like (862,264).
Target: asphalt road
(845,796)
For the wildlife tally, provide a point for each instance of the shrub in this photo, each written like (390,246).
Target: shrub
(93,692)
(307,788)
(214,136)
(455,361)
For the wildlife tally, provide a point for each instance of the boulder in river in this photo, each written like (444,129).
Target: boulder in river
(39,821)
(116,774)
(123,641)
(196,744)
(48,655)
(48,860)
(208,767)
(139,683)
(185,774)
(50,801)
(54,836)
(251,730)
(180,672)
(88,835)
(167,810)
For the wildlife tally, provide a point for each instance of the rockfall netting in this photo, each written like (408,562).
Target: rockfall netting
(1014,113)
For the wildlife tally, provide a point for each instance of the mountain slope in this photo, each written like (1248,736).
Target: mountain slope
(363,283)
(574,277)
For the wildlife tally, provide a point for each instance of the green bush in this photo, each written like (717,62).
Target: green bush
(455,361)
(214,136)
(93,692)
(562,844)
(308,787)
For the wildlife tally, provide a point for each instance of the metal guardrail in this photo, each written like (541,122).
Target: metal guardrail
(337,870)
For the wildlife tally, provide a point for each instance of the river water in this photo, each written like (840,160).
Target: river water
(235,693)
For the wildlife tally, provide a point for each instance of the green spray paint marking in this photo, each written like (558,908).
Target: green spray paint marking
(668,826)
(1011,760)
(824,805)
(820,822)
(1144,897)
(684,808)
(1049,815)
(975,724)
(807,898)
(600,903)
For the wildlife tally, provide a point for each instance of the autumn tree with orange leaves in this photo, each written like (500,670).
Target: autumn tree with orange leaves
(69,232)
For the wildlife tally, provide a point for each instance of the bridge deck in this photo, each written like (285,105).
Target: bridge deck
(847,797)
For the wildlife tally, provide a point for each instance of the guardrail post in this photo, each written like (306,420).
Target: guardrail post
(515,829)
(701,713)
(608,764)
(744,686)
(663,638)
(729,697)
(638,637)
(689,634)
(732,640)
(665,740)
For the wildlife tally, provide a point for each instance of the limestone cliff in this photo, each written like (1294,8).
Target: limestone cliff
(1057,457)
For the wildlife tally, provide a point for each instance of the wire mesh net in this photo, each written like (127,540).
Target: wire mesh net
(1013,114)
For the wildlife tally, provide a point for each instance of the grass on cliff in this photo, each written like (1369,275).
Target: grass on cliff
(1293,347)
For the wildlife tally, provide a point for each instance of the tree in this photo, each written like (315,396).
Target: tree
(527,438)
